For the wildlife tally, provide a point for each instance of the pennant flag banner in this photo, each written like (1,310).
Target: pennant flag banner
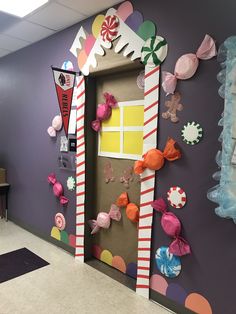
(64,82)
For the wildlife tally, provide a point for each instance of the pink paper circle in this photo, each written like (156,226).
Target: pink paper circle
(60,221)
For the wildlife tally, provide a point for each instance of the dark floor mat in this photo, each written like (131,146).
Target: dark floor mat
(19,262)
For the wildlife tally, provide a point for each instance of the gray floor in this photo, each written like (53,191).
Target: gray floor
(65,286)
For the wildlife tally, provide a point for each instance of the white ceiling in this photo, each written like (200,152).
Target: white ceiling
(16,33)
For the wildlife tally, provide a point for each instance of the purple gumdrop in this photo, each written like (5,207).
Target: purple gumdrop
(134,20)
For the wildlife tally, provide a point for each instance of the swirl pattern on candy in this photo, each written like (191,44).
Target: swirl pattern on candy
(154,159)
(110,28)
(60,221)
(172,227)
(57,189)
(168,264)
(154,51)
(104,219)
(187,65)
(104,111)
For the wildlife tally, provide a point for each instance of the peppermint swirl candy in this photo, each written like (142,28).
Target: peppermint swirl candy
(60,221)
(168,264)
(154,51)
(109,28)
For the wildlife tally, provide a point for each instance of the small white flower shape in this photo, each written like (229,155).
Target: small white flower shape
(70,183)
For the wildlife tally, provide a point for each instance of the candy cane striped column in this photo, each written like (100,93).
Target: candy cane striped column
(80,169)
(151,104)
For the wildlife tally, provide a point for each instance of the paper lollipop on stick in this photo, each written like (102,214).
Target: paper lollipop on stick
(187,65)
(172,227)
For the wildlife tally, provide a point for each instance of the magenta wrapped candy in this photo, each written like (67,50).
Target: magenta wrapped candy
(172,227)
(104,111)
(104,219)
(57,189)
(187,65)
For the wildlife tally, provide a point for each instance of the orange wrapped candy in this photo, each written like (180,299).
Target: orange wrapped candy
(154,159)
(123,200)
(132,212)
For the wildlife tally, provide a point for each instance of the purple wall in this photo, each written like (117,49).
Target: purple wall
(28,103)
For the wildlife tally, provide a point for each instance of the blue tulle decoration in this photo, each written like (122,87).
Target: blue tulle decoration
(224,193)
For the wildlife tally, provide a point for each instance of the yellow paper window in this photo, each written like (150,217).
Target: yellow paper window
(133,116)
(114,120)
(110,142)
(133,143)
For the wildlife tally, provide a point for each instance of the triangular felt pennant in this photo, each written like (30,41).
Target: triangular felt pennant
(64,82)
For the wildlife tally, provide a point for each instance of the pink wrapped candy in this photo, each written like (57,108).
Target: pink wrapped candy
(104,219)
(172,227)
(104,111)
(57,189)
(187,65)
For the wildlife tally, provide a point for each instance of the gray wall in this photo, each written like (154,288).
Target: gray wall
(28,103)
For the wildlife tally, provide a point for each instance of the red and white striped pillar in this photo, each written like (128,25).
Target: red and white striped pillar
(80,169)
(151,105)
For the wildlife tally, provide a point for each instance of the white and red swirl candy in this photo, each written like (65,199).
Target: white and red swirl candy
(109,28)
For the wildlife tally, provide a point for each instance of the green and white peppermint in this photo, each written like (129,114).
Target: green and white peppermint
(70,183)
(192,133)
(154,51)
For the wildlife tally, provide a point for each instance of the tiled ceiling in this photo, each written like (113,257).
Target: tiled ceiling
(16,33)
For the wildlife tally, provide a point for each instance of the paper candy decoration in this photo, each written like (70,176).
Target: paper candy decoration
(109,28)
(70,183)
(104,219)
(57,189)
(172,227)
(187,65)
(56,126)
(191,133)
(173,106)
(64,82)
(132,212)
(154,51)
(127,177)
(123,200)
(154,159)
(168,264)
(141,80)
(108,172)
(104,111)
(176,197)
(60,221)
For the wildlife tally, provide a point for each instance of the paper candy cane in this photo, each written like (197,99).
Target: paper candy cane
(172,227)
(187,65)
(57,189)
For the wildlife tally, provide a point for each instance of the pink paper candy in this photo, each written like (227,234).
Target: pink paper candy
(104,111)
(57,189)
(172,227)
(187,65)
(104,219)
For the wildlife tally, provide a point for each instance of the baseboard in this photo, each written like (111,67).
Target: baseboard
(47,238)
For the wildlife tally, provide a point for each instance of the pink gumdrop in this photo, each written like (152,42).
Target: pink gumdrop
(103,220)
(51,131)
(103,112)
(186,66)
(170,224)
(58,189)
(89,43)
